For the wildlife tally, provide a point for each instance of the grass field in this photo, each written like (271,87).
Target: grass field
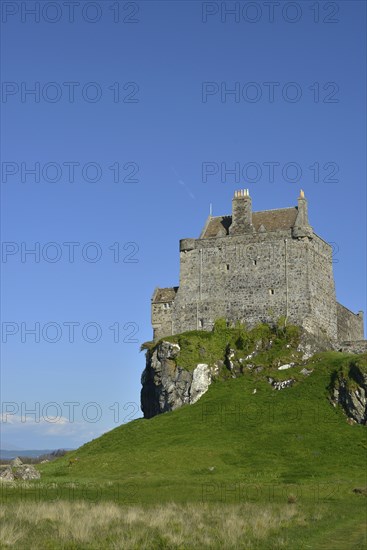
(271,469)
(66,525)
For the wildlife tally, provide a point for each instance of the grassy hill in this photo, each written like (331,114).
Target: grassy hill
(230,436)
(234,452)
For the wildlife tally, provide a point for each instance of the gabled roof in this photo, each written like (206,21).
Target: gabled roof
(271,220)
(164,294)
(215,226)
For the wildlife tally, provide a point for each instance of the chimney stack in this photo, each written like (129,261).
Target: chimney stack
(241,213)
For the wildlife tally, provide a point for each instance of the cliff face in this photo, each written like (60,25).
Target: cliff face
(166,386)
(350,391)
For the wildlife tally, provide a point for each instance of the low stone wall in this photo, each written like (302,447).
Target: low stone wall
(354,346)
(350,325)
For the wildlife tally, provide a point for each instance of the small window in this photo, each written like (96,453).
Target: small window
(166,306)
(254,262)
(201,323)
(271,291)
(227,267)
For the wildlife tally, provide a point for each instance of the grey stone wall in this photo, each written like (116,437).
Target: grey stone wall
(355,346)
(350,325)
(323,319)
(256,278)
(162,319)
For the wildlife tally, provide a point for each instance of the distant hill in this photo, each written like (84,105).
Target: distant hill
(32,453)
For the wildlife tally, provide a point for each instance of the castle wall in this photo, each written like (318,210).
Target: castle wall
(162,319)
(322,289)
(354,346)
(350,325)
(253,278)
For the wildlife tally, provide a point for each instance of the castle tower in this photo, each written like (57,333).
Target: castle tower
(241,213)
(255,267)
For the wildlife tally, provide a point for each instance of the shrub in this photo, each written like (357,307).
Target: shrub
(281,326)
(292,334)
(220,325)
(262,332)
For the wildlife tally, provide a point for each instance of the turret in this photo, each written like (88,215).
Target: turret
(301,226)
(241,213)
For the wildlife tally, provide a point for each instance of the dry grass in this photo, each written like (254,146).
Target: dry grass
(10,534)
(66,524)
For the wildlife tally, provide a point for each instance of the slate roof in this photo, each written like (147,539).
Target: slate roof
(164,294)
(272,220)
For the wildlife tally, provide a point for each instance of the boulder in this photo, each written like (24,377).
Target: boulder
(6,474)
(201,380)
(306,372)
(16,462)
(285,367)
(281,384)
(26,472)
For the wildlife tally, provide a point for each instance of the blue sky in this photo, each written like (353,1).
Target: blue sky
(149,96)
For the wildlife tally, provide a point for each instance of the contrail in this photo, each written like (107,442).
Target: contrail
(181,182)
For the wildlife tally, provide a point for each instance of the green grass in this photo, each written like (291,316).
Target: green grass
(209,347)
(288,436)
(233,448)
(80,525)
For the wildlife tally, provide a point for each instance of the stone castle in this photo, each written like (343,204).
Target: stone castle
(256,267)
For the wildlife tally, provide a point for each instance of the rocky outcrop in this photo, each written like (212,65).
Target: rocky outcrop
(167,386)
(350,391)
(6,474)
(26,472)
(19,471)
(310,344)
(16,462)
(281,384)
(201,380)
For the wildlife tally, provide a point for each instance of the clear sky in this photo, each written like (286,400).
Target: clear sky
(131,132)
